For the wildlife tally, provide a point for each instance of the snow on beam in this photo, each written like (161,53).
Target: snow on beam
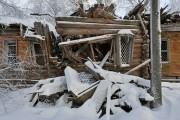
(88,40)
(65,24)
(139,66)
(85,31)
(125,32)
(98,20)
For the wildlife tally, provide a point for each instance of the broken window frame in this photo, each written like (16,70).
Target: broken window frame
(35,55)
(166,40)
(7,57)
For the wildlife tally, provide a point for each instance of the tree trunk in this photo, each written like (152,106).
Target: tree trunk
(156,54)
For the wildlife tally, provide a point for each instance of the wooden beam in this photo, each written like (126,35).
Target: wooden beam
(170,80)
(92,52)
(79,31)
(98,20)
(138,67)
(81,49)
(88,40)
(105,59)
(65,24)
(118,50)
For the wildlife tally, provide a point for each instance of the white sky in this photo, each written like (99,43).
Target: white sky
(163,2)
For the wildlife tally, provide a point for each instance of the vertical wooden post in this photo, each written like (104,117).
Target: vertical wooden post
(118,50)
(92,52)
(47,47)
(156,54)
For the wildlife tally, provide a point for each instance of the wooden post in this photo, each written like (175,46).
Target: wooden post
(156,54)
(92,52)
(138,67)
(118,50)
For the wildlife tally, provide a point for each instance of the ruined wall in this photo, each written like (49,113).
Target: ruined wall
(71,26)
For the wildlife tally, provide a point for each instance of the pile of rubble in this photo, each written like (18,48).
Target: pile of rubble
(108,91)
(97,11)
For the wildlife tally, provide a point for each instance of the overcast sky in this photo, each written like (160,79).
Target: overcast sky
(163,2)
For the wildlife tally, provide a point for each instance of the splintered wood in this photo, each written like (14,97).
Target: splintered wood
(95,37)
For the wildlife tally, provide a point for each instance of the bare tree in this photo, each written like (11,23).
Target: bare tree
(52,7)
(156,53)
(10,9)
(175,5)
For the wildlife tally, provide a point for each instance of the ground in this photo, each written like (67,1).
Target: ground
(14,105)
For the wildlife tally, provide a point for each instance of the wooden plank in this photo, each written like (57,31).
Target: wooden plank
(105,59)
(138,67)
(81,49)
(92,52)
(65,24)
(138,41)
(114,53)
(81,31)
(98,20)
(118,50)
(170,80)
(88,40)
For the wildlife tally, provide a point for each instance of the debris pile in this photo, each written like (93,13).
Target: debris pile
(108,91)
(97,11)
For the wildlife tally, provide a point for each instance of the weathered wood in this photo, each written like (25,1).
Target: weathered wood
(101,13)
(142,24)
(95,74)
(82,11)
(138,67)
(136,9)
(118,50)
(114,53)
(110,8)
(104,59)
(88,40)
(170,80)
(79,31)
(39,28)
(98,20)
(65,24)
(76,57)
(92,52)
(81,49)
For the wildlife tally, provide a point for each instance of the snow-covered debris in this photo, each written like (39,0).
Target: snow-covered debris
(58,85)
(114,91)
(73,82)
(49,89)
(132,94)
(29,33)
(117,77)
(100,93)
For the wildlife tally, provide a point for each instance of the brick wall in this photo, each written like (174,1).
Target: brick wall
(172,68)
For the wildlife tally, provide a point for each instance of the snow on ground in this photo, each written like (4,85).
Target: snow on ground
(16,104)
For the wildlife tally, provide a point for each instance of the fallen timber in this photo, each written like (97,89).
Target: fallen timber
(94,37)
(88,40)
